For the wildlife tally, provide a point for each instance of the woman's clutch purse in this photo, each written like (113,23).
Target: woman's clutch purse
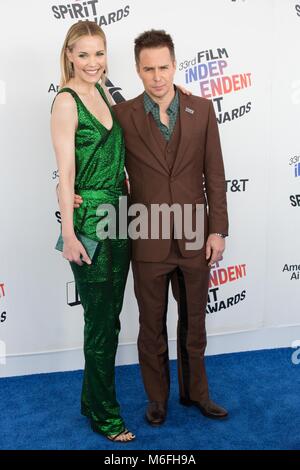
(89,245)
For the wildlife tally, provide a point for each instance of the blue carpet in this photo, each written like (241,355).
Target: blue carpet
(259,388)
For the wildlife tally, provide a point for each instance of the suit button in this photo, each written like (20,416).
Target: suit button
(172,179)
(169,150)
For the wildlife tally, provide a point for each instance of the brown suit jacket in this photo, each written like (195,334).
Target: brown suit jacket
(197,176)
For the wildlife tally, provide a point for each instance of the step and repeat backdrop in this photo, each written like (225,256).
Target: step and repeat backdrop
(241,54)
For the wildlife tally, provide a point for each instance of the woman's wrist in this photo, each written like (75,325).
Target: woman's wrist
(67,236)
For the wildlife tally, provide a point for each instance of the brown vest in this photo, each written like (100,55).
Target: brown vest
(168,148)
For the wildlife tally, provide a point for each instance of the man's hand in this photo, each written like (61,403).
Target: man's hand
(77,201)
(127,185)
(215,247)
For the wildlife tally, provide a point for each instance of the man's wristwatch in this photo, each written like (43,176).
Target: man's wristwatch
(222,235)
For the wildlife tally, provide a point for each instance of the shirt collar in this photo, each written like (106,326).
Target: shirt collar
(150,105)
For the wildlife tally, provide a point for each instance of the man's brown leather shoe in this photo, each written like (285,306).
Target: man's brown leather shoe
(208,408)
(156,412)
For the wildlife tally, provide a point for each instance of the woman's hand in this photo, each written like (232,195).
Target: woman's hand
(184,90)
(75,252)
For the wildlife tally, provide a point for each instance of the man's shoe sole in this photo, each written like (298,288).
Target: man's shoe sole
(153,423)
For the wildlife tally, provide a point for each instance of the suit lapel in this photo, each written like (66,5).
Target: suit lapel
(142,125)
(186,116)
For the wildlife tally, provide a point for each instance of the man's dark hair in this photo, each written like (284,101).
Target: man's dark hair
(152,39)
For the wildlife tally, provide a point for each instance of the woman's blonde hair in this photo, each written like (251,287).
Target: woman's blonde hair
(77,31)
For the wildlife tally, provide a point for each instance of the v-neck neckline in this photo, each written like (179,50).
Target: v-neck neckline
(91,114)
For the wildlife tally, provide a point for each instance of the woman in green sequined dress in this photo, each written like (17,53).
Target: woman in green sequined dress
(90,152)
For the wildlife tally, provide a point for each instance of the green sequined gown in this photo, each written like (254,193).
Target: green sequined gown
(100,179)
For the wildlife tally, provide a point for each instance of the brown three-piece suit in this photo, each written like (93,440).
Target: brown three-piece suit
(187,169)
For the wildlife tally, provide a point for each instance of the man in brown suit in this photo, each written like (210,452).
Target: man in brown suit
(173,155)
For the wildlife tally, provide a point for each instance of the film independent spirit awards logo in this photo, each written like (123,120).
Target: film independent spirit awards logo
(294,164)
(80,10)
(222,276)
(293,270)
(211,70)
